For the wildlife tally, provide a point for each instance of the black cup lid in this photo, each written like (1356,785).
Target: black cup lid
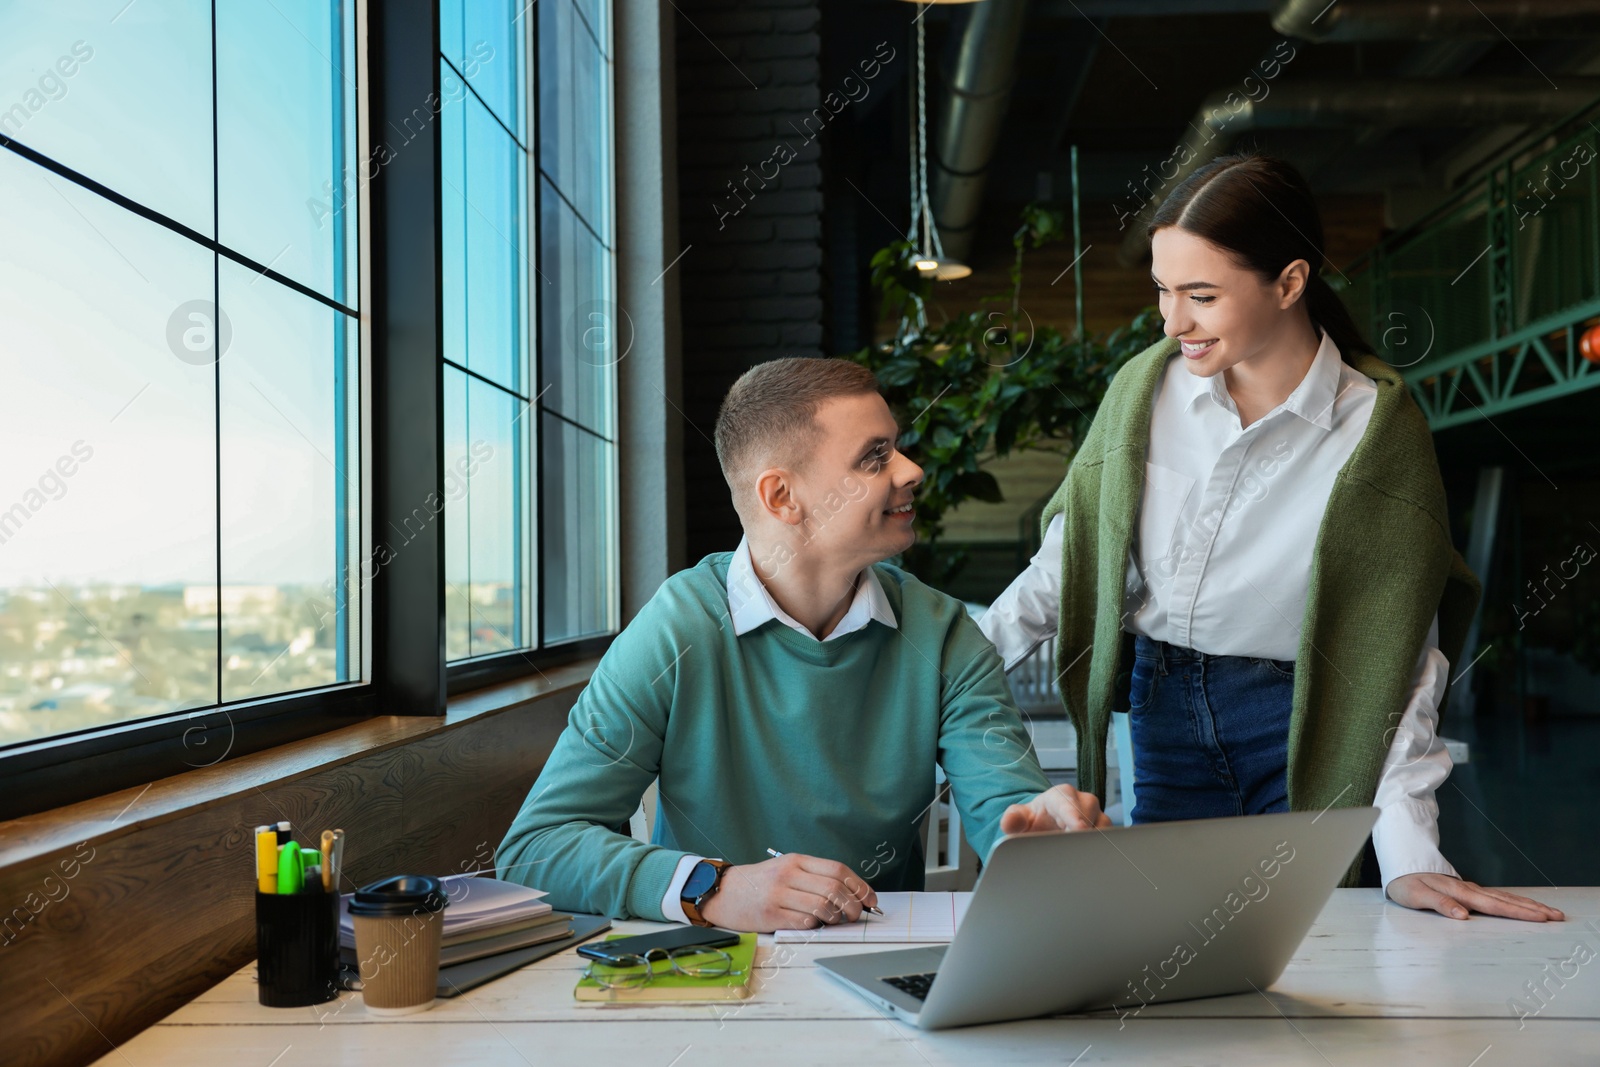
(403,894)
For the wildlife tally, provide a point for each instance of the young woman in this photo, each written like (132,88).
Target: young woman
(1257,511)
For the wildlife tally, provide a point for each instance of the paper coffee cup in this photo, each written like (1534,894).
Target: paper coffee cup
(399,923)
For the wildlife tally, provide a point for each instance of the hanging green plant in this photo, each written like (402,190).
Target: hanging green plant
(986,383)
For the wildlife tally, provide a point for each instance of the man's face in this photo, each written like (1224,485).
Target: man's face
(855,489)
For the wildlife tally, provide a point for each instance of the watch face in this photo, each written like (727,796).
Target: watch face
(702,878)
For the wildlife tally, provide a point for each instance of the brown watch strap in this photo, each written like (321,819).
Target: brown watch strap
(691,908)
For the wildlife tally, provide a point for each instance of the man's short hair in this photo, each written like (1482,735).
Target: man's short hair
(771,411)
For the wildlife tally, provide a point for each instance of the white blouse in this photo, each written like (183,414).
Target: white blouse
(1221,562)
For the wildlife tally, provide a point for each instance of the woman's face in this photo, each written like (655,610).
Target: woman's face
(1223,314)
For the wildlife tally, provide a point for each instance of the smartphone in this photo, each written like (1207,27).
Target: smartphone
(666,941)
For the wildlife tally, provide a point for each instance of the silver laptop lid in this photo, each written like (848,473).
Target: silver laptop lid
(1124,917)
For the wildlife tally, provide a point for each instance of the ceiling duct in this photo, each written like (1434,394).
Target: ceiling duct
(1400,20)
(1395,103)
(976,93)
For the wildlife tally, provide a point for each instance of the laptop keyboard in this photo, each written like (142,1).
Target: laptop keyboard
(916,985)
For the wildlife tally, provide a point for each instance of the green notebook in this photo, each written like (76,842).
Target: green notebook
(668,985)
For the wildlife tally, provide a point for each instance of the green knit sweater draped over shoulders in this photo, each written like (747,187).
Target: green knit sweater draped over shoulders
(1382,565)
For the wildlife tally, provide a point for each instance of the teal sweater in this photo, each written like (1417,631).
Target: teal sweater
(770,740)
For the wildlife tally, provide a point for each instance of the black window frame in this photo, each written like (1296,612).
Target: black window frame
(406,624)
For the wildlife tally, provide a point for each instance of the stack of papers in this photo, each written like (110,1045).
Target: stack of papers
(907,918)
(485,916)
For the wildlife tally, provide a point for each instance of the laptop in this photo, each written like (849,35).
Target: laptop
(1117,919)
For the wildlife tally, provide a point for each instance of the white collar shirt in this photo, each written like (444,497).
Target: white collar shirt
(1221,560)
(750,605)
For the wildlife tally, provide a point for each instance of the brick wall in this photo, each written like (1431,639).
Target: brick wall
(750,215)
(1113,294)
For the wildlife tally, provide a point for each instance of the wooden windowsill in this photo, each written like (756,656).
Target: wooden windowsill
(30,837)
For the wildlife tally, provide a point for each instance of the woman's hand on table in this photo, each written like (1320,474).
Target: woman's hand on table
(1455,897)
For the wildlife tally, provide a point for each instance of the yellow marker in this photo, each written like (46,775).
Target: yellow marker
(327,861)
(266,859)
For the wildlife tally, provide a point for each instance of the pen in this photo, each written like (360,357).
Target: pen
(285,833)
(327,860)
(775,854)
(309,858)
(266,859)
(338,857)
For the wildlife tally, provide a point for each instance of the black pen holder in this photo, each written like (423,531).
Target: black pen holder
(297,948)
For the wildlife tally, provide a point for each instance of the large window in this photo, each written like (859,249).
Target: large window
(180,461)
(531,333)
(244,495)
(583,333)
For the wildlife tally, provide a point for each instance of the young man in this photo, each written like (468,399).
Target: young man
(792,695)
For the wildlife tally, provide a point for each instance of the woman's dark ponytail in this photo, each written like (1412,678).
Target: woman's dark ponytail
(1329,312)
(1260,209)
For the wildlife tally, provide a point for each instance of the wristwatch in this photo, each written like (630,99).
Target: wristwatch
(703,883)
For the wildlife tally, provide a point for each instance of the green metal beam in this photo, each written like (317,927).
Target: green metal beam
(1499,376)
(1539,212)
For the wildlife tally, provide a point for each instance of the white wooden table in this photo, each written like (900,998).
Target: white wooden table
(1373,983)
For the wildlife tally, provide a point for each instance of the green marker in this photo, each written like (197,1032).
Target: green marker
(289,874)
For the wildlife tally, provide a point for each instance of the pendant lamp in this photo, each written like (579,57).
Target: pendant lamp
(931,262)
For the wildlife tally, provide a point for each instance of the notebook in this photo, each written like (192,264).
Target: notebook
(476,904)
(907,917)
(513,939)
(457,979)
(668,985)
(462,937)
(477,946)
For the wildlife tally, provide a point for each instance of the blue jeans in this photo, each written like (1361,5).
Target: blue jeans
(1210,733)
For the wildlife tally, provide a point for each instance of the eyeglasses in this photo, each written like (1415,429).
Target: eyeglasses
(634,972)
